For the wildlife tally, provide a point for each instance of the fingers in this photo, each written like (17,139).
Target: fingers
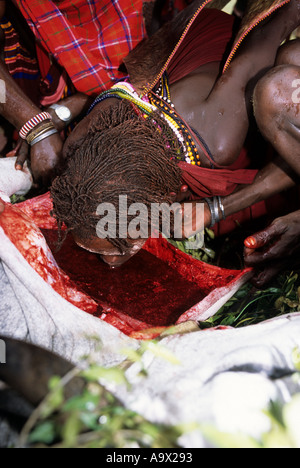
(269,272)
(262,238)
(265,245)
(22,156)
(193,217)
(21,152)
(276,251)
(263,278)
(180,196)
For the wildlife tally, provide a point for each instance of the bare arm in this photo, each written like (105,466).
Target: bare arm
(225,114)
(17,108)
(275,178)
(78,104)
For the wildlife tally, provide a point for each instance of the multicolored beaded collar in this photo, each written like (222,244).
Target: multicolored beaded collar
(160,100)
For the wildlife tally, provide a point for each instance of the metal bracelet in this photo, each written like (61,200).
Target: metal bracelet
(222,209)
(43,136)
(213,205)
(216,209)
(39,131)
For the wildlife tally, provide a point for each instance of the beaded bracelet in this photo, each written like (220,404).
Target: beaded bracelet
(32,123)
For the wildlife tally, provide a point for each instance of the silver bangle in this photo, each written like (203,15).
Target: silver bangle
(222,208)
(43,136)
(213,205)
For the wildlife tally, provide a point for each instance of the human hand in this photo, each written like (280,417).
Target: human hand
(78,105)
(45,157)
(274,249)
(21,152)
(191,218)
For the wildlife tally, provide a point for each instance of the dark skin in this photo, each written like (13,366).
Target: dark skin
(214,105)
(18,109)
(219,108)
(277,247)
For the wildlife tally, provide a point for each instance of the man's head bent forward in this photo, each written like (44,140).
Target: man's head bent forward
(123,156)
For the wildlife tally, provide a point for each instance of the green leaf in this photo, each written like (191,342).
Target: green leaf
(291,304)
(113,374)
(43,433)
(291,413)
(132,355)
(71,430)
(85,402)
(90,421)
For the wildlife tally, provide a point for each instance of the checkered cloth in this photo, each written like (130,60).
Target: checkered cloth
(88,38)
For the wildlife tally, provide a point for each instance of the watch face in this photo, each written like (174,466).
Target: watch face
(63,113)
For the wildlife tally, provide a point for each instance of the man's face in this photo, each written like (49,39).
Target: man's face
(108,253)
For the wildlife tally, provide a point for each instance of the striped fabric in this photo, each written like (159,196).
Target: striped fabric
(89,38)
(14,53)
(21,65)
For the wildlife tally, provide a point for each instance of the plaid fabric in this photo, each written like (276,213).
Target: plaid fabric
(88,38)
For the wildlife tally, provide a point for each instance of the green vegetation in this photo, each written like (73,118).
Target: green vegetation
(249,306)
(94,418)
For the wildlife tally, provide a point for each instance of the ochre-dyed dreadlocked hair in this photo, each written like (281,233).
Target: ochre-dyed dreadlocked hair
(122,154)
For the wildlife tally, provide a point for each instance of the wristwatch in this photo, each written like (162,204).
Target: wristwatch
(62,112)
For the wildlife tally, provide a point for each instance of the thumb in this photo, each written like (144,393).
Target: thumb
(22,155)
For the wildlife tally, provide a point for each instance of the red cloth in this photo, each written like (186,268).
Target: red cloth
(214,182)
(207,41)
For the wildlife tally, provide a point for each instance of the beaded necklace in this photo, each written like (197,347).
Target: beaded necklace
(160,100)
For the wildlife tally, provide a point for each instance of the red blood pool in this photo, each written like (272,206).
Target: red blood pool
(146,288)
